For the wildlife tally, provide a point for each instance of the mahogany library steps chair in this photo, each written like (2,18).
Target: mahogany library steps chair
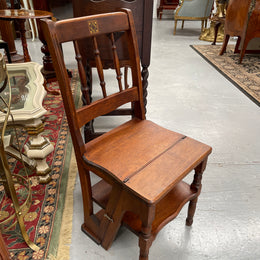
(141,165)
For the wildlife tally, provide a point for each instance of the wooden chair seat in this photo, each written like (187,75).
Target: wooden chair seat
(139,158)
(141,165)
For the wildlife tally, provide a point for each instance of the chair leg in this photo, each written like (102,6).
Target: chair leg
(90,226)
(196,185)
(243,48)
(191,211)
(224,46)
(182,24)
(144,244)
(175,27)
(145,237)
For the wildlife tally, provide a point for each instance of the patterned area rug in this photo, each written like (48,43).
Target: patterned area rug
(52,203)
(245,76)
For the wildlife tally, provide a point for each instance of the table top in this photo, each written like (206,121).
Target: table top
(23,14)
(27,91)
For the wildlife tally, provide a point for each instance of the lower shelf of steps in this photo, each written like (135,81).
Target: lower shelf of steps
(166,209)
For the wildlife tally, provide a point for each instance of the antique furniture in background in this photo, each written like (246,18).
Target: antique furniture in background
(243,21)
(166,5)
(215,32)
(4,45)
(194,10)
(143,12)
(6,30)
(141,165)
(20,16)
(27,110)
(28,5)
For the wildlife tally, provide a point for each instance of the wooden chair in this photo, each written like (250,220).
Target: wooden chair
(141,165)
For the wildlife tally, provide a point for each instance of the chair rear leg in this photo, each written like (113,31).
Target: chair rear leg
(196,185)
(224,46)
(90,225)
(182,24)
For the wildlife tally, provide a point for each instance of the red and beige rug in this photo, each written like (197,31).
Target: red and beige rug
(245,76)
(52,203)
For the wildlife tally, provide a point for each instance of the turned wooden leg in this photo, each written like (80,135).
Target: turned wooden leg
(23,39)
(216,28)
(145,238)
(196,186)
(145,242)
(145,75)
(191,211)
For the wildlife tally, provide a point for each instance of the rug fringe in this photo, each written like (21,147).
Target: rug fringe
(63,252)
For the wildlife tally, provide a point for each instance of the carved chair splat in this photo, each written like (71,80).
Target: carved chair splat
(141,165)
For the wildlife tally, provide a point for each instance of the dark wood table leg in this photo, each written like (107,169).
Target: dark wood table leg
(48,71)
(216,28)
(26,54)
(7,36)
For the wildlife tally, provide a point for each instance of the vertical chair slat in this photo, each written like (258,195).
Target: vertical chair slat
(99,67)
(116,62)
(84,87)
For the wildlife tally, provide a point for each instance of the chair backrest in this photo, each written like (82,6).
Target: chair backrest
(195,8)
(93,27)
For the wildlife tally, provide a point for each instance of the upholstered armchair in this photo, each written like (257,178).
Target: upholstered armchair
(198,10)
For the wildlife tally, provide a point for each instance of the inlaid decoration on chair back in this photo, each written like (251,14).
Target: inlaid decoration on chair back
(93,27)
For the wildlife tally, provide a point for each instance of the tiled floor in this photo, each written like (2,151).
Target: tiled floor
(188,95)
